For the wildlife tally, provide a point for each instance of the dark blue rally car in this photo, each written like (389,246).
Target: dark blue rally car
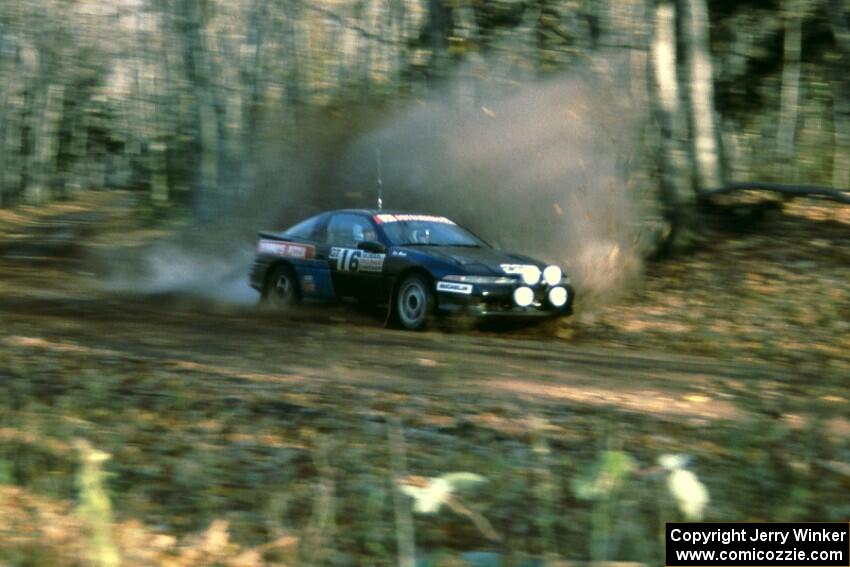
(416,265)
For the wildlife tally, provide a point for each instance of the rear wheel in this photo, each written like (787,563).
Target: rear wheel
(414,302)
(281,288)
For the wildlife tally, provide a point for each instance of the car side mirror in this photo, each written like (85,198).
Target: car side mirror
(372,246)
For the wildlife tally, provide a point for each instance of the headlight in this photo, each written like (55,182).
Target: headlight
(552,275)
(530,275)
(558,296)
(523,296)
(493,280)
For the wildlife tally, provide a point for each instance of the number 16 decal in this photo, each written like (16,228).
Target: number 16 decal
(347,259)
(353,260)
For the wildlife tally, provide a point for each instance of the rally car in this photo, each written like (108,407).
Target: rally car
(414,265)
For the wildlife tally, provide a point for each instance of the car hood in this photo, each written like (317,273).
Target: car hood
(475,261)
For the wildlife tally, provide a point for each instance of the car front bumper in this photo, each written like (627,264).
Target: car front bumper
(497,302)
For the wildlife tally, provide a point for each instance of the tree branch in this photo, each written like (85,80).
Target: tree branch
(346,23)
(840,29)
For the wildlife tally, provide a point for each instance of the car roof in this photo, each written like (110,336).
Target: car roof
(381,212)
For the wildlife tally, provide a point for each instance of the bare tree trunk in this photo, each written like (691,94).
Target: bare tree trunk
(138,120)
(840,27)
(439,24)
(163,122)
(841,96)
(5,115)
(390,52)
(44,119)
(49,145)
(79,148)
(253,77)
(208,133)
(292,57)
(841,121)
(64,141)
(366,48)
(679,198)
(466,83)
(790,103)
(706,145)
(13,152)
(13,128)
(206,128)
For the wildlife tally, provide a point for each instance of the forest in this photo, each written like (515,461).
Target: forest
(686,161)
(196,102)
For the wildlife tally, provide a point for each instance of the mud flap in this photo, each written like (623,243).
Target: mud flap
(389,316)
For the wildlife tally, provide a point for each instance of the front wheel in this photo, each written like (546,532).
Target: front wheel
(281,288)
(414,302)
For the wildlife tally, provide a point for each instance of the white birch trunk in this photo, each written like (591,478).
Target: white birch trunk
(677,192)
(701,95)
(841,121)
(4,132)
(790,97)
(45,117)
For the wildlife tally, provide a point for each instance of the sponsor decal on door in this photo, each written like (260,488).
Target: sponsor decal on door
(285,249)
(354,260)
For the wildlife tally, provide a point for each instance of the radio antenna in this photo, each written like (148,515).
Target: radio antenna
(380,180)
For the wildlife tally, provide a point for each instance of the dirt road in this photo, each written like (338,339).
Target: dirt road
(52,302)
(214,411)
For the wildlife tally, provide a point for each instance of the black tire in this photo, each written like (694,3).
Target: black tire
(413,302)
(281,289)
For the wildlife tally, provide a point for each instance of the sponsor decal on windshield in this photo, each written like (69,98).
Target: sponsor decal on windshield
(385,218)
(285,249)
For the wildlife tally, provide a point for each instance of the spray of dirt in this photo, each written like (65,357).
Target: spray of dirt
(545,169)
(548,169)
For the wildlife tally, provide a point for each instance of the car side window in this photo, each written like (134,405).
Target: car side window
(346,230)
(305,229)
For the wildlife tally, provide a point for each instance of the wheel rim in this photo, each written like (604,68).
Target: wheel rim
(412,304)
(281,292)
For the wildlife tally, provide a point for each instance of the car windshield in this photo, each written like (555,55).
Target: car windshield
(441,232)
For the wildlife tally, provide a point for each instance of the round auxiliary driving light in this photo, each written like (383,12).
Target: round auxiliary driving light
(558,296)
(523,296)
(530,275)
(552,275)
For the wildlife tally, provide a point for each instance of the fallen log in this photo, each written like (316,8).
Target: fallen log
(788,191)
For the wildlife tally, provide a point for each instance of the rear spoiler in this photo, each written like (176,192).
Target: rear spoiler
(264,234)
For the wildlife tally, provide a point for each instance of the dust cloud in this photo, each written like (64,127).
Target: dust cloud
(549,169)
(169,269)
